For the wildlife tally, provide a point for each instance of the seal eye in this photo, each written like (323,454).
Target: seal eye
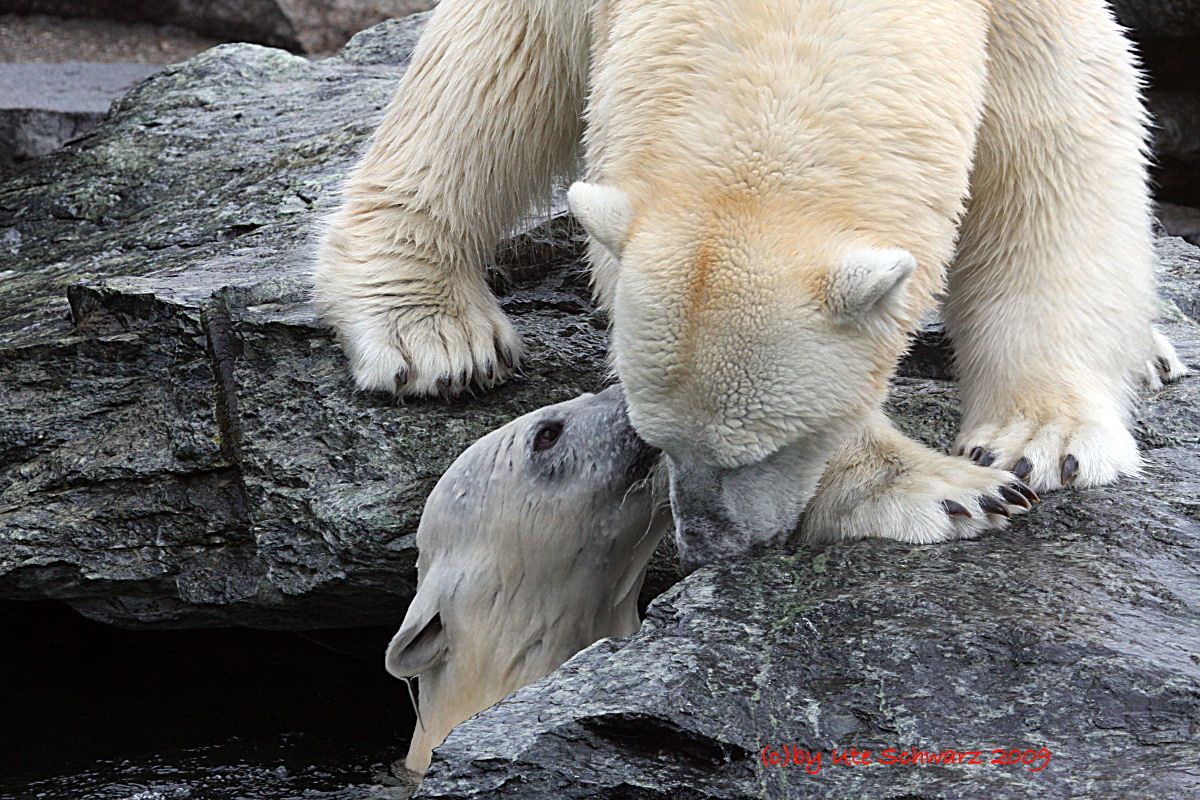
(547,435)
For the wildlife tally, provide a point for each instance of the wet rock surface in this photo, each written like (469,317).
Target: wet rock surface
(1077,632)
(181,446)
(180,443)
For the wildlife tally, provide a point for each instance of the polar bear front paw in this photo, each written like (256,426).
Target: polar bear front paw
(412,348)
(1076,452)
(911,494)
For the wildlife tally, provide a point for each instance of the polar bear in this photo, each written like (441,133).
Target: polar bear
(533,545)
(777,191)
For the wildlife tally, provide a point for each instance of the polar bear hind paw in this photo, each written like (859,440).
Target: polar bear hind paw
(1055,455)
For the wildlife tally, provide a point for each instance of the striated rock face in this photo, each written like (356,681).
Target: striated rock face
(1077,632)
(180,444)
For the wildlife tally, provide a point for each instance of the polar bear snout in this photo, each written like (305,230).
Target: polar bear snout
(723,513)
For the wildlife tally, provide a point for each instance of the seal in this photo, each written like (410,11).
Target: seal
(533,545)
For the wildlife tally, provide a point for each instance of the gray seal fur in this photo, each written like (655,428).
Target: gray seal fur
(531,547)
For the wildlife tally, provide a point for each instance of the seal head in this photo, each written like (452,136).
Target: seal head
(533,545)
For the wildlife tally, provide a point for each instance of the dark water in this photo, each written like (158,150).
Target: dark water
(88,712)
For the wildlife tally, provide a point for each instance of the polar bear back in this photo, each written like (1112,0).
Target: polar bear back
(867,109)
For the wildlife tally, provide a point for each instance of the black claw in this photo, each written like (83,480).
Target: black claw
(1015,498)
(1026,490)
(503,353)
(993,506)
(1164,366)
(465,378)
(491,373)
(956,509)
(1070,468)
(988,459)
(401,378)
(1023,469)
(976,454)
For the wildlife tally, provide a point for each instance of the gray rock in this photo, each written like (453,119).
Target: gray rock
(72,86)
(1077,631)
(44,105)
(323,25)
(310,26)
(1181,221)
(1179,278)
(180,443)
(1177,143)
(1159,18)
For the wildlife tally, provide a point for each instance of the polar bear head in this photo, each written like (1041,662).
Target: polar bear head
(751,334)
(533,546)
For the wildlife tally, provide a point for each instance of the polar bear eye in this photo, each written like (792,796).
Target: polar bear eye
(547,434)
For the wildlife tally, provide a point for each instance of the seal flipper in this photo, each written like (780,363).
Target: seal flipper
(419,644)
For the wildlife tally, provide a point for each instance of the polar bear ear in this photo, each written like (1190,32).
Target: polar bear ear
(868,279)
(419,645)
(604,212)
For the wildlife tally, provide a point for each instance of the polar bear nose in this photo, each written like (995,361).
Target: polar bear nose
(730,513)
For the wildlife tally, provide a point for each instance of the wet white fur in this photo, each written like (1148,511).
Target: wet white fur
(770,141)
(869,123)
(486,117)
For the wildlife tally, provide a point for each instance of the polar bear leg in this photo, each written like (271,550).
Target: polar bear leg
(486,117)
(883,484)
(1051,300)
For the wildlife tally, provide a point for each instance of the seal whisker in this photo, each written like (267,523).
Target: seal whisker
(412,698)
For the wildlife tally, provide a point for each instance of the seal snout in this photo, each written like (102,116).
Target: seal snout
(645,457)
(641,455)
